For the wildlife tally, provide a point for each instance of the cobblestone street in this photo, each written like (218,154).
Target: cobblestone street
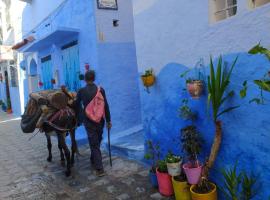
(25,173)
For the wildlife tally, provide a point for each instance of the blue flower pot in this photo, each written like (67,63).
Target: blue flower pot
(4,108)
(153,179)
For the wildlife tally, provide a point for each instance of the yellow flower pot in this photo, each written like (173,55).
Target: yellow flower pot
(148,80)
(209,196)
(181,190)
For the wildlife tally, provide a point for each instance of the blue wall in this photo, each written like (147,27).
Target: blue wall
(118,74)
(245,131)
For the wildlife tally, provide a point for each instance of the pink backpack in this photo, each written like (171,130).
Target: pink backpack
(95,110)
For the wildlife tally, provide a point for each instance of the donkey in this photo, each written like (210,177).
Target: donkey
(61,122)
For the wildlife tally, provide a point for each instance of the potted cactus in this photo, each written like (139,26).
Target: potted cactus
(164,179)
(173,164)
(192,144)
(9,110)
(153,155)
(181,187)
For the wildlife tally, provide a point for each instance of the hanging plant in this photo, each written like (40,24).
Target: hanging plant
(195,84)
(81,77)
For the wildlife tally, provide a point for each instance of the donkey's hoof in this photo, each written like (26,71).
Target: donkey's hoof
(68,173)
(49,159)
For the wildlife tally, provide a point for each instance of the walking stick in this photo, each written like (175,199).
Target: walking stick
(109,145)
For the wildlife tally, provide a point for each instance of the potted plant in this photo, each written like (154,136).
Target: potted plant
(9,110)
(1,102)
(164,179)
(218,83)
(173,164)
(185,111)
(205,190)
(195,85)
(239,185)
(192,144)
(181,187)
(153,155)
(148,78)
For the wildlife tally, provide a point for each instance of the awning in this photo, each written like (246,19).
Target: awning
(59,36)
(6,53)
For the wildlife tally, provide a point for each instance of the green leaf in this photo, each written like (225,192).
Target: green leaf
(227,110)
(256,100)
(263,84)
(258,49)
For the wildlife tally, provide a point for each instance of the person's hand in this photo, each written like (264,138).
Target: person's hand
(109,125)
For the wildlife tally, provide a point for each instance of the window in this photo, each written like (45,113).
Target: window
(222,9)
(257,3)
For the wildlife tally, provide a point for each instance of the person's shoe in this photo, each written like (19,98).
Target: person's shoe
(100,173)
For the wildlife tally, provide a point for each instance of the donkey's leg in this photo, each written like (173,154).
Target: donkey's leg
(74,147)
(66,150)
(49,146)
(62,156)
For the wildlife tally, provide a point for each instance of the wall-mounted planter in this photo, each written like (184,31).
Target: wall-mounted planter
(212,195)
(148,81)
(195,88)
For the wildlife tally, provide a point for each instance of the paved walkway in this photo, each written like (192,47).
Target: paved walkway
(25,173)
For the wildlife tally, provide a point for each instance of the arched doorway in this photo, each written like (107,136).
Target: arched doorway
(32,76)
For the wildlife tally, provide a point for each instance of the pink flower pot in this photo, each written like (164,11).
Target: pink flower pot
(193,174)
(164,183)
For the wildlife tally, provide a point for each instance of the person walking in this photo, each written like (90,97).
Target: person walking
(96,108)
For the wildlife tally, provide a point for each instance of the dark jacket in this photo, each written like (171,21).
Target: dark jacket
(84,97)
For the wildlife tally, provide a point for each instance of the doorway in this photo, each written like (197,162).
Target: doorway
(46,68)
(71,63)
(7,91)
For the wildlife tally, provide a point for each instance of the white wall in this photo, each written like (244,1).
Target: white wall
(179,31)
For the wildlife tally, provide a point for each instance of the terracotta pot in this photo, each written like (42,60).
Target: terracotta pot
(148,80)
(164,183)
(212,195)
(181,190)
(195,88)
(174,169)
(193,174)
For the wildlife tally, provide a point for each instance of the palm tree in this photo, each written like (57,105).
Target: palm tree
(218,83)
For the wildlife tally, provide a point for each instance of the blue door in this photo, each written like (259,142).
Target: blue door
(70,57)
(46,70)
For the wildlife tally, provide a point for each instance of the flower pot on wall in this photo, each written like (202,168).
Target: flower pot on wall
(193,173)
(174,169)
(153,178)
(195,88)
(211,195)
(181,189)
(164,183)
(148,80)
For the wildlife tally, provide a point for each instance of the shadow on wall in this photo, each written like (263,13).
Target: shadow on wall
(246,134)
